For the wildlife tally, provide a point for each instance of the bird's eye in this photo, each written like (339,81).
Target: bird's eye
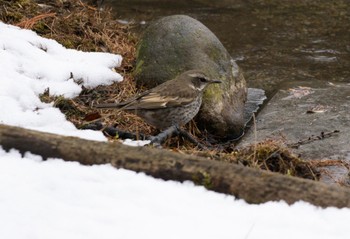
(203,79)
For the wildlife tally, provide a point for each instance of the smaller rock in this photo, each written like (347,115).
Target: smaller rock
(255,98)
(315,122)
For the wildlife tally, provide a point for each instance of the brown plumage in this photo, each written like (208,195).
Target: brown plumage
(174,102)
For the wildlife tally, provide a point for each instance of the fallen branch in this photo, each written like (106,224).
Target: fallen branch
(254,186)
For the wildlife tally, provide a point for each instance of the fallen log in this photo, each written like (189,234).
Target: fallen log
(252,185)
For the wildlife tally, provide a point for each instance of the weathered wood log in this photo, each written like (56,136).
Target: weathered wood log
(254,186)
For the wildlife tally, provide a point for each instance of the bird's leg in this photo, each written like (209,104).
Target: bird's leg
(155,140)
(175,130)
(162,136)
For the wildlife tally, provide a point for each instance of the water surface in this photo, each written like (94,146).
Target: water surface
(276,43)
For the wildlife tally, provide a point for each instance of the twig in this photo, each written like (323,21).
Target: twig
(313,138)
(330,162)
(87,6)
(190,138)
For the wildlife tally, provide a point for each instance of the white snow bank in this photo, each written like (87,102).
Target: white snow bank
(29,64)
(57,199)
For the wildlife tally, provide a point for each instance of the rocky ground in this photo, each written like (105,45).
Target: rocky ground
(314,122)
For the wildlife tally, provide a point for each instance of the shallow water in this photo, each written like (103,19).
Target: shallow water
(276,43)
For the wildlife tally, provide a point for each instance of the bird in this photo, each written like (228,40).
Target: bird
(172,103)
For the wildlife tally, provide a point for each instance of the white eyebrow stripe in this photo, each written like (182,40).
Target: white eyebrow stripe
(194,75)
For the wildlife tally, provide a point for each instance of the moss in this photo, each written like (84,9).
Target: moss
(140,47)
(22,2)
(214,93)
(67,107)
(138,68)
(13,16)
(17,10)
(45,96)
(41,28)
(202,178)
(68,43)
(216,53)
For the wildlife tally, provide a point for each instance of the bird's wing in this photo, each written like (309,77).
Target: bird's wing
(128,104)
(158,100)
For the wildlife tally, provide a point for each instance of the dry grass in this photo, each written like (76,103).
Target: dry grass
(270,155)
(274,156)
(76,24)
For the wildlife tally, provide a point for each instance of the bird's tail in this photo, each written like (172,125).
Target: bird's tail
(108,106)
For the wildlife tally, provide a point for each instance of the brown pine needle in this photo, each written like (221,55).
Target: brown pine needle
(29,23)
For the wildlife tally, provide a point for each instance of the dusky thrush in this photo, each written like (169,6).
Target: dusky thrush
(173,103)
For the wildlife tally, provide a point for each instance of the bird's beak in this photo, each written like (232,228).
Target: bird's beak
(215,81)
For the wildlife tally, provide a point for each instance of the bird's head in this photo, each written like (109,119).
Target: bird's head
(198,80)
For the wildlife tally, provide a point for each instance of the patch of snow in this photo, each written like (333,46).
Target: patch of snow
(136,142)
(30,64)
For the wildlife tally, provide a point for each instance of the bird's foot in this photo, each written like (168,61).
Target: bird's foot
(172,131)
(164,135)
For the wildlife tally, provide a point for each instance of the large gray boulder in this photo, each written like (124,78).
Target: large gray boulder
(178,43)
